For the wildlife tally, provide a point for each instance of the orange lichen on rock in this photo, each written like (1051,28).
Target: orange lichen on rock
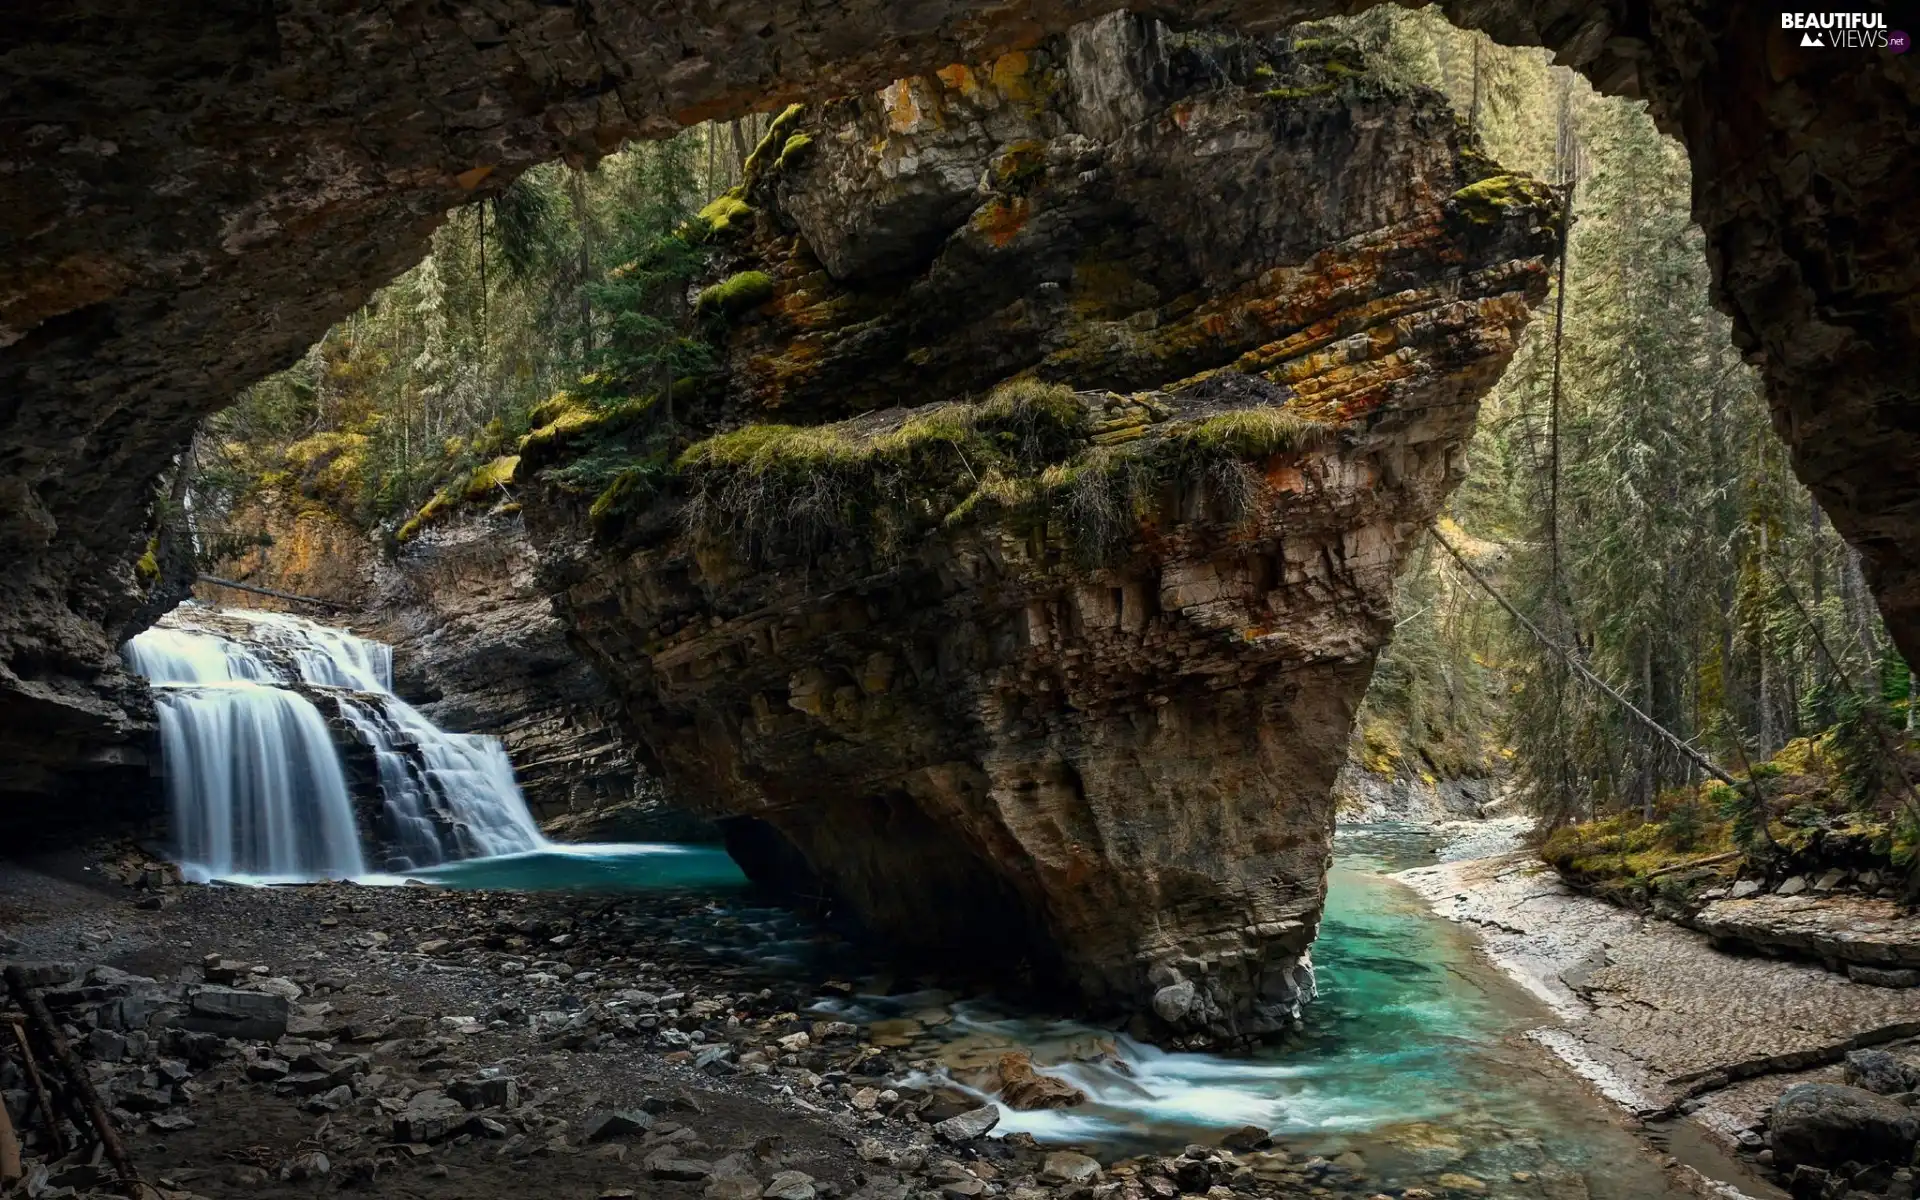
(1002,219)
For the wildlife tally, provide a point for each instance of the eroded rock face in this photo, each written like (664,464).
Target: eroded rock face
(1031,715)
(478,648)
(185,206)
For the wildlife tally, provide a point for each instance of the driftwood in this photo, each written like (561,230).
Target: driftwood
(10,1168)
(1709,861)
(43,1023)
(277,595)
(39,1085)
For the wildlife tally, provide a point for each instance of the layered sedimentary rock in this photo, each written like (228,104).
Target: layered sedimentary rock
(478,648)
(186,204)
(1062,668)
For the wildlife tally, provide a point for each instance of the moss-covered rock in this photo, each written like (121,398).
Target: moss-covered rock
(1498,198)
(735,295)
(485,485)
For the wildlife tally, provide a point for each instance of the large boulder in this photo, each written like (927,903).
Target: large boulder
(1022,595)
(1825,1125)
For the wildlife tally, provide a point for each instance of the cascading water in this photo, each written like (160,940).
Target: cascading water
(256,782)
(253,781)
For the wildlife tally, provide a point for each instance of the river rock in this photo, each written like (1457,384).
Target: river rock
(230,1012)
(1245,1138)
(429,1116)
(968,1126)
(732,1186)
(1879,1072)
(486,1091)
(790,1185)
(1825,1125)
(668,1165)
(1173,1002)
(1026,1090)
(1066,1166)
(612,1123)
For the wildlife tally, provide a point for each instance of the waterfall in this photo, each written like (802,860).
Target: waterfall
(256,782)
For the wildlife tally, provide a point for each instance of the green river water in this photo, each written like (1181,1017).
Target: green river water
(1413,1058)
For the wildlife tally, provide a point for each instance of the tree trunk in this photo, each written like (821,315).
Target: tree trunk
(577,193)
(1473,106)
(1647,772)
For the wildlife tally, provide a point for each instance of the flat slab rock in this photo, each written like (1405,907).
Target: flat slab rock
(1647,1010)
(1837,929)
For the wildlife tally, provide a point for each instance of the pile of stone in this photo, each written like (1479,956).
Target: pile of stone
(137,1045)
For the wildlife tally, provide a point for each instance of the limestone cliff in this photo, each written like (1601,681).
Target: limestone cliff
(1064,667)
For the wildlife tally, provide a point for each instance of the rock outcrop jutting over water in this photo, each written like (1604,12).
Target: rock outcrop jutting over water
(1061,668)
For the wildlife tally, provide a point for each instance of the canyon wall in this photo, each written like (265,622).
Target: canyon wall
(188,198)
(1075,413)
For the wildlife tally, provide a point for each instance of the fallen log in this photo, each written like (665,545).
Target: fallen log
(10,1168)
(237,586)
(39,1085)
(48,1030)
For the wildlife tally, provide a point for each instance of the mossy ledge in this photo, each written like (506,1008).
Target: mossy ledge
(487,484)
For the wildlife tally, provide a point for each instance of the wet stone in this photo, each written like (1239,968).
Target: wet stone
(790,1185)
(968,1126)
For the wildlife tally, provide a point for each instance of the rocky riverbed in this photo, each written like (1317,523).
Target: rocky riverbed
(1713,1047)
(432,1043)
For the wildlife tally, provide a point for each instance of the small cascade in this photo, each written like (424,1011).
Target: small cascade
(255,775)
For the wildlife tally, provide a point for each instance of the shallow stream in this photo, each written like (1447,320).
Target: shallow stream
(1412,1062)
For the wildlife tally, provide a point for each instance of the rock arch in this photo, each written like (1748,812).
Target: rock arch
(190,193)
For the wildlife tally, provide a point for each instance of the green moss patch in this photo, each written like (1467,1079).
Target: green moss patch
(793,150)
(727,213)
(483,485)
(767,155)
(1497,197)
(329,466)
(735,295)
(1812,821)
(1028,452)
